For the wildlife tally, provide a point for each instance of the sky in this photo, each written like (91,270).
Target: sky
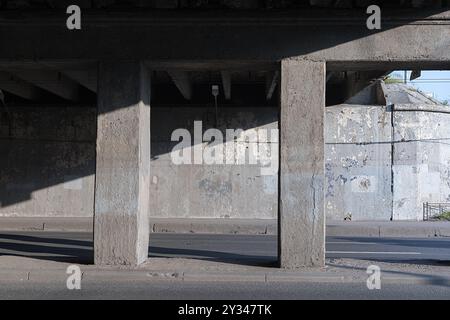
(435,82)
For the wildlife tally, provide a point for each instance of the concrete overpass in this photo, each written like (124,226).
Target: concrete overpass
(295,48)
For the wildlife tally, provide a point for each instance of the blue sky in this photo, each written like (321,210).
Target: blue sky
(435,82)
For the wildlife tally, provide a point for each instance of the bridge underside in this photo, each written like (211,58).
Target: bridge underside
(117,57)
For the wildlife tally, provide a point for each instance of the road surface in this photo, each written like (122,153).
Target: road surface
(169,290)
(236,249)
(246,249)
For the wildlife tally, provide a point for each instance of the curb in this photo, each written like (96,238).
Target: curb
(215,226)
(46,224)
(390,229)
(208,276)
(237,226)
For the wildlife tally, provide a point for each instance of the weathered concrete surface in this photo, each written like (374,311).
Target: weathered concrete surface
(123,164)
(301,193)
(50,162)
(421,159)
(358,163)
(383,162)
(237,189)
(47,162)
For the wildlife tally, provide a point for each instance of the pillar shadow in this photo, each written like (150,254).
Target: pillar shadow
(47,248)
(215,256)
(80,251)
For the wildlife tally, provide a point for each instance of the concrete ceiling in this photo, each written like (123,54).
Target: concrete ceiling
(67,80)
(34,80)
(30,80)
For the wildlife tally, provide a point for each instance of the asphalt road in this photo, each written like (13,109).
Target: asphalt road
(247,250)
(176,290)
(251,249)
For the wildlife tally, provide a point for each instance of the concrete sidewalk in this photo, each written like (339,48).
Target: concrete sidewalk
(22,269)
(239,226)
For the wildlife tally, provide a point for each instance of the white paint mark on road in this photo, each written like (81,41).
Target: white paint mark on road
(374,252)
(349,242)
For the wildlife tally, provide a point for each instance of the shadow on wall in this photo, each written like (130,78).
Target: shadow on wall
(48,152)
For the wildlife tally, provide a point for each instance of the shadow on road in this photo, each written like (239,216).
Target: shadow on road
(45,248)
(81,251)
(216,256)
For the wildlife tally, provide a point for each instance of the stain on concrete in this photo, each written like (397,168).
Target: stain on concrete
(215,188)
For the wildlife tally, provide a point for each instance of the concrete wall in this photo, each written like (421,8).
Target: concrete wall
(385,163)
(358,163)
(421,159)
(48,164)
(47,161)
(211,191)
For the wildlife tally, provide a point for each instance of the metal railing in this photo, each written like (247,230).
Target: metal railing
(432,210)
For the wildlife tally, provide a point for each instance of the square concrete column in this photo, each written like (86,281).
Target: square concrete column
(121,226)
(301,197)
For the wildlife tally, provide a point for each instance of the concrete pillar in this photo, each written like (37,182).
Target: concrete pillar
(121,227)
(301,205)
